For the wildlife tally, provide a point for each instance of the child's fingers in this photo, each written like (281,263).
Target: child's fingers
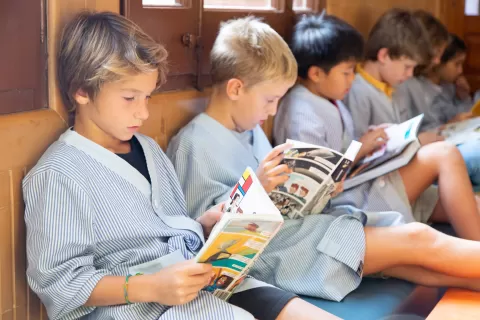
(277,180)
(278,170)
(380,133)
(272,163)
(197,282)
(278,150)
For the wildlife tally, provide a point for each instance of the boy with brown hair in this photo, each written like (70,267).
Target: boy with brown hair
(424,92)
(108,232)
(395,46)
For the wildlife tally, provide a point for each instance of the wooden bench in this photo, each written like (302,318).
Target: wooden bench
(457,304)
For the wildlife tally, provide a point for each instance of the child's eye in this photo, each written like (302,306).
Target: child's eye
(148,97)
(129,98)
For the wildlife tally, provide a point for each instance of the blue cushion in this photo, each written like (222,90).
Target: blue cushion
(374,299)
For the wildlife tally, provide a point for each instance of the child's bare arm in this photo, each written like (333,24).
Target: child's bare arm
(173,285)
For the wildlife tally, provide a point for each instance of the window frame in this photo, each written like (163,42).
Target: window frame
(26,89)
(282,18)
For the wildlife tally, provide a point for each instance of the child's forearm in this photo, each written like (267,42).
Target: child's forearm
(110,291)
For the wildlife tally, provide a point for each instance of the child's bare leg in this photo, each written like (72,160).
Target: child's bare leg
(431,278)
(300,309)
(443,162)
(417,244)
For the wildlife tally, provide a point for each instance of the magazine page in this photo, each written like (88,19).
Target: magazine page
(233,249)
(399,137)
(316,170)
(249,197)
(461,132)
(250,221)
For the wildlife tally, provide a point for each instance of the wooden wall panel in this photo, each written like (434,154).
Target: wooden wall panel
(25,136)
(362,14)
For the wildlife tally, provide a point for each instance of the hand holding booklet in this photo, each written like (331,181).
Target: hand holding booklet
(316,173)
(463,131)
(399,150)
(249,223)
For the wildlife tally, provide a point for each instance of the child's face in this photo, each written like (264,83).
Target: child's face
(396,71)
(120,107)
(336,84)
(438,51)
(255,104)
(452,69)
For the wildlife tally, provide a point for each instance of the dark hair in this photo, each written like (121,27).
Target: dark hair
(324,41)
(455,46)
(402,34)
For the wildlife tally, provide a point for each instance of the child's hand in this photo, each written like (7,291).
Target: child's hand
(461,117)
(270,172)
(462,88)
(338,188)
(179,283)
(429,137)
(210,218)
(371,141)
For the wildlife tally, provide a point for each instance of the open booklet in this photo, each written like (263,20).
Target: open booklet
(401,147)
(316,170)
(249,223)
(461,132)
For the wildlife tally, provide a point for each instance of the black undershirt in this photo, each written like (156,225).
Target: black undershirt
(136,158)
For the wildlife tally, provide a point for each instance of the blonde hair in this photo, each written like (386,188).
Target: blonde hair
(250,50)
(97,48)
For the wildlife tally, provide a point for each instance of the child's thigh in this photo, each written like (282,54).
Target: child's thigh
(206,307)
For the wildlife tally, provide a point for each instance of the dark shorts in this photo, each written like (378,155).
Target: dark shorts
(264,303)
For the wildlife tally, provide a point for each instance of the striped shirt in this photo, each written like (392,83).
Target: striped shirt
(89,214)
(208,156)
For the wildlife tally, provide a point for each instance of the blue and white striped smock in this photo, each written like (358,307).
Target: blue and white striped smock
(307,117)
(90,214)
(371,106)
(437,103)
(320,255)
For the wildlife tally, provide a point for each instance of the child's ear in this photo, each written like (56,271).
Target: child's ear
(234,88)
(383,55)
(81,97)
(316,74)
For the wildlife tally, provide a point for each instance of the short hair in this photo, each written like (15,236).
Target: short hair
(437,32)
(324,41)
(455,46)
(97,48)
(294,186)
(401,33)
(250,50)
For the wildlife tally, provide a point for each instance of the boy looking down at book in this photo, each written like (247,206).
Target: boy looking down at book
(327,49)
(425,92)
(104,201)
(336,248)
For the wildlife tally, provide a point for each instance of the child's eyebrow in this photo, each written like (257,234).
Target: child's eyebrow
(136,91)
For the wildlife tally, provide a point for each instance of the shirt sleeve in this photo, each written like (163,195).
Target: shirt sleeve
(300,124)
(197,175)
(360,110)
(60,244)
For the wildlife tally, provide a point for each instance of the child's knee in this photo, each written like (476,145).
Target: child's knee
(421,234)
(441,153)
